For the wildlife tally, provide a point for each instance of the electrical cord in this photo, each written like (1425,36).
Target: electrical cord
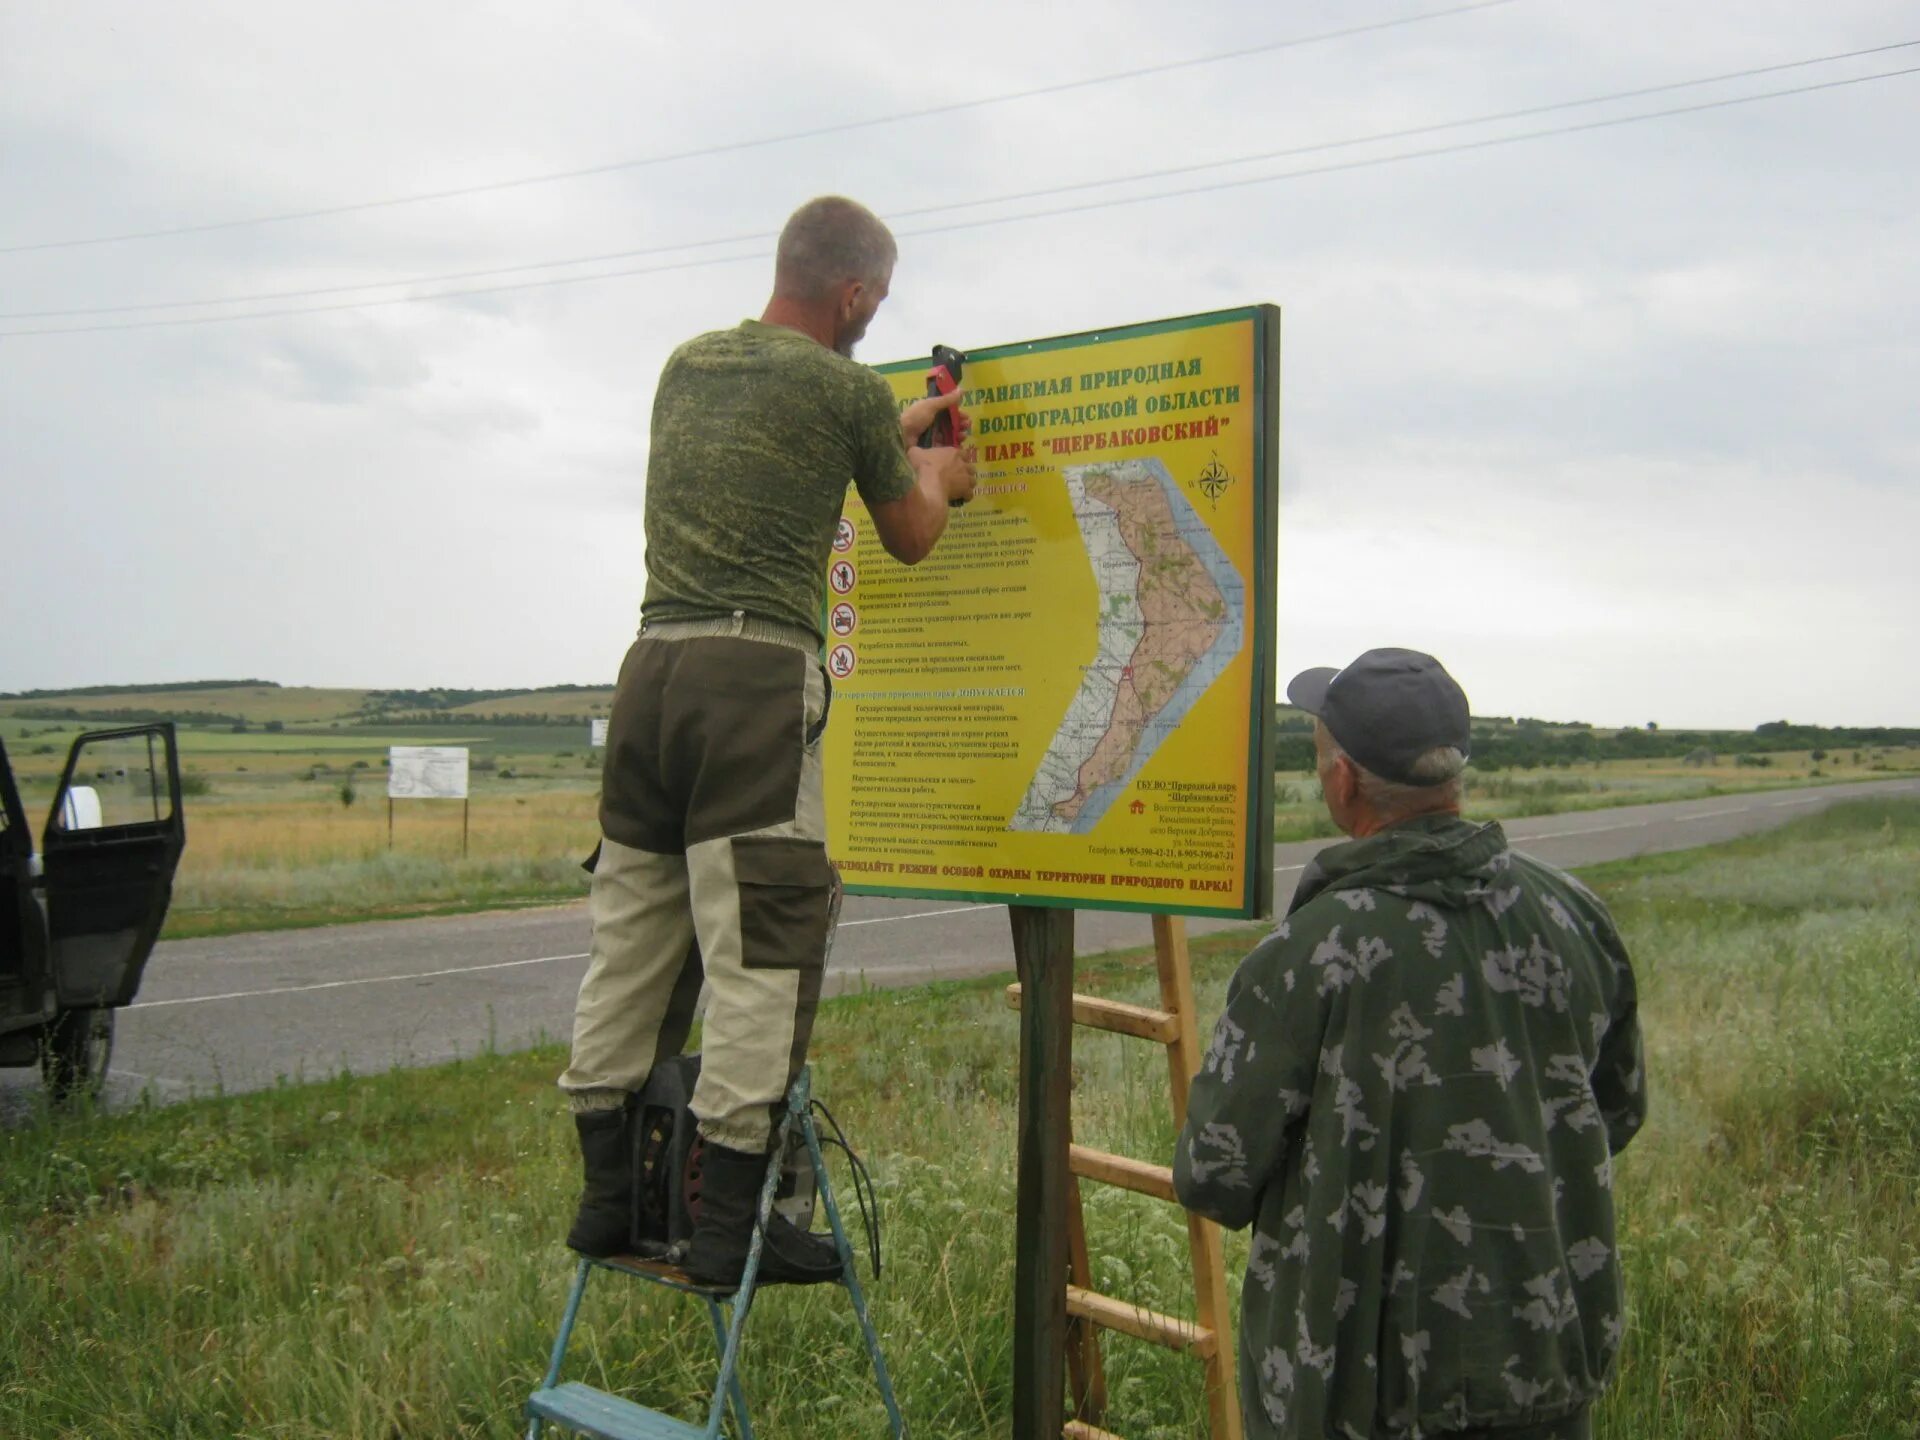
(863,1192)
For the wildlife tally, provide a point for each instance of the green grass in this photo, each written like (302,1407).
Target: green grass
(379,1256)
(1774,1208)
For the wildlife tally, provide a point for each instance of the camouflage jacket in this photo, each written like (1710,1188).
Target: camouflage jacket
(1414,1094)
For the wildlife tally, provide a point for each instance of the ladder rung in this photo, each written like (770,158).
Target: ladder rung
(1141,1324)
(1124,1171)
(1080,1430)
(607,1417)
(661,1273)
(1118,1016)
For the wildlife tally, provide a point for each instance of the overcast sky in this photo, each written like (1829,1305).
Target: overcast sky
(1622,424)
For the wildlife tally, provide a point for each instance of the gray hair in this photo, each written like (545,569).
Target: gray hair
(1439,770)
(828,242)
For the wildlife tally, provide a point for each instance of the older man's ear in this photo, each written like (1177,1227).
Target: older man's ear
(1339,778)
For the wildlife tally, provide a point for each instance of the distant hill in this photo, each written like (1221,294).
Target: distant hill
(255,702)
(166,688)
(262,702)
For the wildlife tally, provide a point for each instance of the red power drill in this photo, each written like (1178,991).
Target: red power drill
(944,379)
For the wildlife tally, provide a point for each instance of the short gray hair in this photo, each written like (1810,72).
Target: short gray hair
(828,242)
(1439,770)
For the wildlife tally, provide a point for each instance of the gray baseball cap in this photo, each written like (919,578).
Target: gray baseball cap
(1387,709)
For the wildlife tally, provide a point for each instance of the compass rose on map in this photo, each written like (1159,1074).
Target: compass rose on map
(1214,479)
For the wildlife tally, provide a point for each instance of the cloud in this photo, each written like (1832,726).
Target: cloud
(1619,423)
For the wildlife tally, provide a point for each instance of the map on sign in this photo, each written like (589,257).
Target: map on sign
(1069,701)
(427,772)
(1172,614)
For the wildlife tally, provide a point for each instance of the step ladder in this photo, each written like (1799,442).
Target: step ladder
(583,1409)
(1209,1336)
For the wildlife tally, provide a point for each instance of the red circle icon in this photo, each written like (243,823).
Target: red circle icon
(840,661)
(843,619)
(841,575)
(844,534)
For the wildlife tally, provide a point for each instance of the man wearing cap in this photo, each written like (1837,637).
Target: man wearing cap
(1414,1096)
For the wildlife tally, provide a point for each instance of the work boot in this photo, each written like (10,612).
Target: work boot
(604,1223)
(723,1196)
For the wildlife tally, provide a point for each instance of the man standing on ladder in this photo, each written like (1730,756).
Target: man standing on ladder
(713,855)
(1415,1095)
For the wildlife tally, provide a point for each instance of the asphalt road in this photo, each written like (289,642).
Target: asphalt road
(241,1011)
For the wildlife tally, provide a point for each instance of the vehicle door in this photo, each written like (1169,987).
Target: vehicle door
(108,854)
(23,939)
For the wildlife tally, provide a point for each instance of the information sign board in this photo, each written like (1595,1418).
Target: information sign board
(1070,702)
(427,772)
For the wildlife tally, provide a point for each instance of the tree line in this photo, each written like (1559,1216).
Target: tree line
(1524,744)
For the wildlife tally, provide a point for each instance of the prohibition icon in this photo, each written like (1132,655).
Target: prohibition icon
(844,535)
(841,576)
(840,661)
(843,619)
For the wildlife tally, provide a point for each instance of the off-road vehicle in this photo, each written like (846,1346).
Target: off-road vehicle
(79,917)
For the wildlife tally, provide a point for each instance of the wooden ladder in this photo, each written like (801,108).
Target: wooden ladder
(1209,1336)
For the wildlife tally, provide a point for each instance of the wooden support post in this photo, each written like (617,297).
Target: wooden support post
(389,822)
(466,806)
(1043,956)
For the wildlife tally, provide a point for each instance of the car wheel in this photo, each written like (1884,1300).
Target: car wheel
(74,1052)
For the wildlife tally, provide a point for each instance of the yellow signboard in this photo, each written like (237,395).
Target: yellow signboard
(1070,701)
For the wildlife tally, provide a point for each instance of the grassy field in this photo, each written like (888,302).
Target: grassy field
(379,1257)
(271,843)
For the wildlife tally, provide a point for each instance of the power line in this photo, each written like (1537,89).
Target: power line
(1408,132)
(1363,163)
(1375,160)
(735,146)
(314,292)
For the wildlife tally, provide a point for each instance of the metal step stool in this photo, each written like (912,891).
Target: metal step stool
(593,1412)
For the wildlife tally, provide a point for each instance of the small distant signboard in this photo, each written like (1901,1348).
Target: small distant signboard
(427,772)
(597,731)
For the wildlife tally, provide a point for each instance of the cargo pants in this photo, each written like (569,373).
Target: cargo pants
(712,864)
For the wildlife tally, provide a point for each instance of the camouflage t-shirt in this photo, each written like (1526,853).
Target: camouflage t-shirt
(1414,1095)
(756,432)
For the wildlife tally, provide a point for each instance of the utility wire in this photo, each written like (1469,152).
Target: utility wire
(734,146)
(1371,161)
(1408,132)
(1363,163)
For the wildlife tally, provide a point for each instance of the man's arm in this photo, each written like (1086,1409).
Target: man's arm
(910,526)
(1254,1086)
(1620,1069)
(1619,1073)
